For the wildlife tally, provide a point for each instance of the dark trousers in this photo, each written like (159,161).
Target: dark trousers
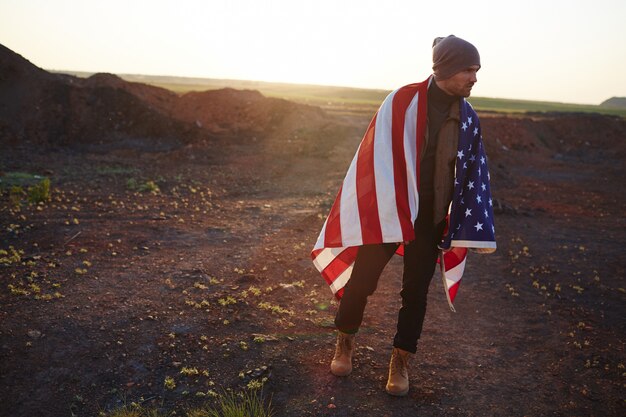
(420,259)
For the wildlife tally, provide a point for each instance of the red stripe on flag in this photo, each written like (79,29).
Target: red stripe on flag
(339,264)
(371,231)
(421,124)
(454,257)
(453,290)
(401,100)
(332,233)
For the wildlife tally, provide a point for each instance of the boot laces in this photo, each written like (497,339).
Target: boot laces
(399,363)
(344,345)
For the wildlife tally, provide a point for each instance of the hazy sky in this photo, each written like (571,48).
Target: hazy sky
(570,51)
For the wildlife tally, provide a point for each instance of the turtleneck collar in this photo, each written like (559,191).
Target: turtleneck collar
(439,98)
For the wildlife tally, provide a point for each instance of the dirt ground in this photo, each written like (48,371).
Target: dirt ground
(209,282)
(164,275)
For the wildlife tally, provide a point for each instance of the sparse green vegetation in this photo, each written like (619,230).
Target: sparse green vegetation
(227,301)
(22,179)
(15,196)
(249,403)
(11,256)
(133,410)
(37,188)
(275,308)
(147,186)
(524,106)
(246,404)
(39,193)
(169,383)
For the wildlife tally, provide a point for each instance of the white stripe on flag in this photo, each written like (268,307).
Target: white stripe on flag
(341,280)
(325,257)
(349,208)
(385,185)
(455,274)
(320,239)
(410,155)
(473,244)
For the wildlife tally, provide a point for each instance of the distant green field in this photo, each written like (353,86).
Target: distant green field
(516,106)
(349,100)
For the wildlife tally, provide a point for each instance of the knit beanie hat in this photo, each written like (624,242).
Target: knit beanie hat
(452,55)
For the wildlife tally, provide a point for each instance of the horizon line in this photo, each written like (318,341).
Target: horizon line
(68,71)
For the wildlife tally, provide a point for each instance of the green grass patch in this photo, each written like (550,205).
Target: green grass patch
(24,186)
(19,179)
(525,106)
(133,410)
(145,187)
(40,192)
(229,404)
(246,404)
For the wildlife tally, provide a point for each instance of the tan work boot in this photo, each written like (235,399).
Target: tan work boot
(398,382)
(342,362)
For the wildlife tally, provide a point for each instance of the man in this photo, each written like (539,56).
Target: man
(421,152)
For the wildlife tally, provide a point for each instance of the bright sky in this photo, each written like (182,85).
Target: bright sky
(553,50)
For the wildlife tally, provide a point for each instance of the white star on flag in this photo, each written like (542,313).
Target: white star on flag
(470,185)
(475,131)
(460,155)
(469,120)
(478,226)
(468,212)
(464,127)
(478,199)
(483,186)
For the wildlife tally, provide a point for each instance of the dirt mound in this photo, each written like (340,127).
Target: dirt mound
(540,137)
(229,110)
(155,97)
(552,132)
(44,108)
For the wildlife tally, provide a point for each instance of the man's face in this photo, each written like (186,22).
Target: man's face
(461,83)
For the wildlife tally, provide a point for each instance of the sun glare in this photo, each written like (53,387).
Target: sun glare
(525,52)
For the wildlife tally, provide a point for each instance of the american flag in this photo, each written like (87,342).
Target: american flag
(378,200)
(470,221)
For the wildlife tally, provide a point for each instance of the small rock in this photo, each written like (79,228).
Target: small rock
(34,334)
